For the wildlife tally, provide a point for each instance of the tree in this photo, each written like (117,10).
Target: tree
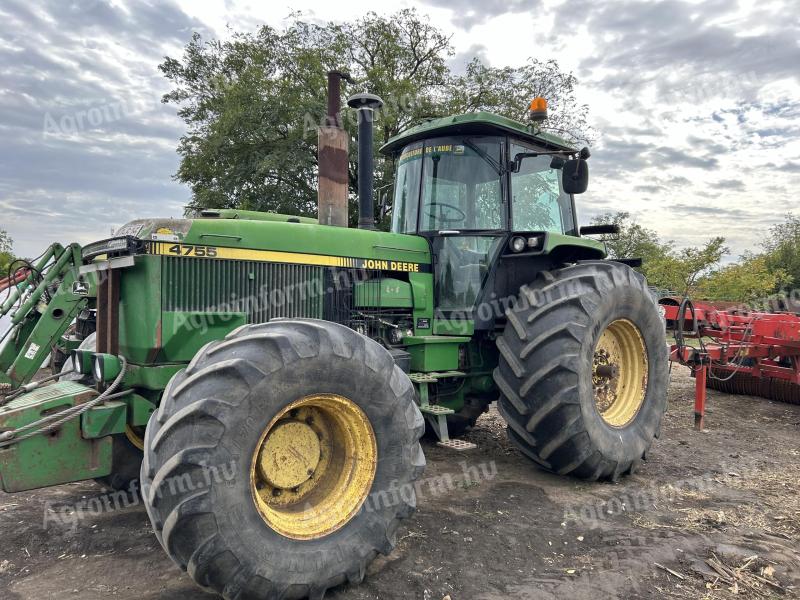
(782,249)
(401,59)
(633,241)
(252,103)
(680,270)
(677,270)
(6,255)
(749,280)
(508,91)
(244,101)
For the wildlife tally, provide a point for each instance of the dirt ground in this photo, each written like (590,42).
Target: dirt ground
(492,526)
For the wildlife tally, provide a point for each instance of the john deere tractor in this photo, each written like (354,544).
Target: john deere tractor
(272,376)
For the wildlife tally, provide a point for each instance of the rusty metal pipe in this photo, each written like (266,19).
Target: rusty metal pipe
(332,190)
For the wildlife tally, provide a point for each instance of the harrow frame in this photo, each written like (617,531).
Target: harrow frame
(747,352)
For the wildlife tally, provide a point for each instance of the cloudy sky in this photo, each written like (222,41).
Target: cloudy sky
(696,104)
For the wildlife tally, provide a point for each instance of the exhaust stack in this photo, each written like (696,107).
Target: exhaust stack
(333,142)
(365,104)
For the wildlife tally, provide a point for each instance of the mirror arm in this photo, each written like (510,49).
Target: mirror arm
(515,165)
(602,229)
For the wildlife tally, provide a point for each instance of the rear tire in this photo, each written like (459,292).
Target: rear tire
(551,396)
(202,443)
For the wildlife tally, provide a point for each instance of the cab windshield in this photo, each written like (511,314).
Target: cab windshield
(451,183)
(452,190)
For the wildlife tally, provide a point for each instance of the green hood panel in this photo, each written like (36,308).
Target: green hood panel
(282,236)
(585,247)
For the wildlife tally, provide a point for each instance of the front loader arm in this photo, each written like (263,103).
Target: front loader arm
(38,317)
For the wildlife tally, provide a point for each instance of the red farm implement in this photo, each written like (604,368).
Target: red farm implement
(16,278)
(736,351)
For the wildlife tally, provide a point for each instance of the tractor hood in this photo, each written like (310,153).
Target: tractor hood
(240,235)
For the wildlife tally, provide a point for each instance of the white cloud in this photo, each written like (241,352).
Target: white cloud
(695,104)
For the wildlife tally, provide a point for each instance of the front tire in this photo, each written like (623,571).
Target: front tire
(259,399)
(583,371)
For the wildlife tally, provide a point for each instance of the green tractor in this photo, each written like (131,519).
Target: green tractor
(270,377)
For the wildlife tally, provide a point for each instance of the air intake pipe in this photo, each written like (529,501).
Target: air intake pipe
(366,105)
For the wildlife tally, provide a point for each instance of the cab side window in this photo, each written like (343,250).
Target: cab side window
(538,202)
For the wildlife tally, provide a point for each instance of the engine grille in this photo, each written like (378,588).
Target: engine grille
(267,291)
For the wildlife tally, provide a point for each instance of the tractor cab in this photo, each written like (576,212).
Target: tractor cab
(480,187)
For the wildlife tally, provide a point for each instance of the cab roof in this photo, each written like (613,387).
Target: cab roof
(474,123)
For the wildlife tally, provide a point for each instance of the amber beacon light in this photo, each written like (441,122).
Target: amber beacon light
(538,109)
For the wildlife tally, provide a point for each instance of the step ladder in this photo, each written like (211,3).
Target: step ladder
(436,415)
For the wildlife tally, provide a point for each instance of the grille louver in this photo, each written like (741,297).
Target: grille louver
(263,291)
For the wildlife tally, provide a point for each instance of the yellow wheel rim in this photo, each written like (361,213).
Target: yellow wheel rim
(135,436)
(313,466)
(619,373)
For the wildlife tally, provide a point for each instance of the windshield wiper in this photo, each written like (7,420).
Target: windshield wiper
(482,153)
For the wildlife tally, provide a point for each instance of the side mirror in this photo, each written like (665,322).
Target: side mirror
(384,208)
(575,176)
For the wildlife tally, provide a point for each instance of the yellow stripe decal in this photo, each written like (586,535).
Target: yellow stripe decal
(297,258)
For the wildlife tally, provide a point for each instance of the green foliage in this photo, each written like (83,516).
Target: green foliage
(6,255)
(634,241)
(252,103)
(750,280)
(665,267)
(508,91)
(782,249)
(695,271)
(681,270)
(243,101)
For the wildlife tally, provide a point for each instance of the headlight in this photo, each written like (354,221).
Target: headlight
(82,361)
(535,241)
(517,243)
(112,247)
(105,367)
(97,370)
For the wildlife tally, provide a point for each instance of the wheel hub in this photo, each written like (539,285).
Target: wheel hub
(289,455)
